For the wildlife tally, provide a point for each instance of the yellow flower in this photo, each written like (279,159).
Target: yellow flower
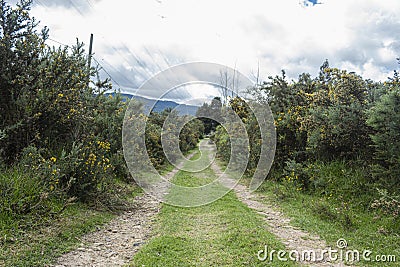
(104,145)
(91,159)
(53,159)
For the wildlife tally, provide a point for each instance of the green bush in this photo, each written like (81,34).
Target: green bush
(83,171)
(54,118)
(189,135)
(336,122)
(297,174)
(222,142)
(255,142)
(153,144)
(384,118)
(107,127)
(289,104)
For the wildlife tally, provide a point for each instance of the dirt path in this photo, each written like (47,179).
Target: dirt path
(117,242)
(278,224)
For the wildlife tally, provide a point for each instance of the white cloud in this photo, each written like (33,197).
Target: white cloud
(136,39)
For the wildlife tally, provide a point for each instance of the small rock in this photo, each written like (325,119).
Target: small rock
(112,254)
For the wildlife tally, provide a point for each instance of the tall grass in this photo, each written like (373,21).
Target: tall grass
(25,201)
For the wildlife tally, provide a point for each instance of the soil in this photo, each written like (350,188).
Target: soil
(115,243)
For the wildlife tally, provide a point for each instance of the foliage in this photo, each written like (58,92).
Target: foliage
(337,134)
(210,115)
(54,119)
(288,104)
(223,143)
(255,143)
(336,122)
(190,135)
(21,48)
(384,118)
(21,194)
(389,204)
(163,126)
(297,174)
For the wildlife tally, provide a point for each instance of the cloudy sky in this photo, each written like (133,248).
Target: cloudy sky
(136,39)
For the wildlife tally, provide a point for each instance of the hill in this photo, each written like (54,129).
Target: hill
(160,105)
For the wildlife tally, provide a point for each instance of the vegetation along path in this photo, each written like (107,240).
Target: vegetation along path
(228,232)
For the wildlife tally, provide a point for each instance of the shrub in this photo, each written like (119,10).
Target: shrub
(157,125)
(190,135)
(107,126)
(335,123)
(384,118)
(297,174)
(53,117)
(223,143)
(80,171)
(288,104)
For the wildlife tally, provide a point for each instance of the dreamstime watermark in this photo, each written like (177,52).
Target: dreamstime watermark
(134,136)
(340,254)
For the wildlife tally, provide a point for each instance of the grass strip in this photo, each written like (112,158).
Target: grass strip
(223,233)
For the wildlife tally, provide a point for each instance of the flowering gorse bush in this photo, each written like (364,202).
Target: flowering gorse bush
(55,118)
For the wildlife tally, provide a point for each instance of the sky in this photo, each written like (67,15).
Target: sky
(136,39)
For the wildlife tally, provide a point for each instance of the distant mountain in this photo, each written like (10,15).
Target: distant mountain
(161,105)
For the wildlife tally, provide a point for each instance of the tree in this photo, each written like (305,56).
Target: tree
(208,111)
(384,118)
(229,84)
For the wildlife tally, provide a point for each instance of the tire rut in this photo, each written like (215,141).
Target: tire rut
(293,238)
(116,243)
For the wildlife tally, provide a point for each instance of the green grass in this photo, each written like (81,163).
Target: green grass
(333,219)
(41,245)
(32,231)
(196,188)
(223,233)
